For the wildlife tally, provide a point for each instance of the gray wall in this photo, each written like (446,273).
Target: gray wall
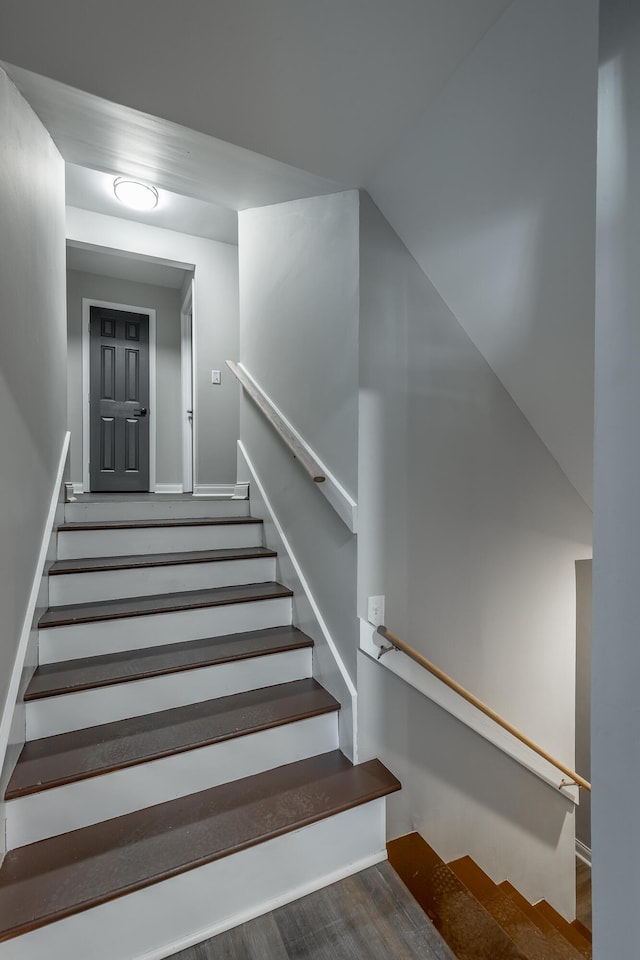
(471,530)
(32,354)
(167,404)
(616,593)
(493,193)
(299,333)
(299,319)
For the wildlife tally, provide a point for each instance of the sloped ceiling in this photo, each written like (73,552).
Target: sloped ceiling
(323,85)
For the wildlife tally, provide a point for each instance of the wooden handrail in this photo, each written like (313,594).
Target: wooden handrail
(399,644)
(307,461)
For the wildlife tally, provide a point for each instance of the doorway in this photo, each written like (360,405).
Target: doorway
(118,347)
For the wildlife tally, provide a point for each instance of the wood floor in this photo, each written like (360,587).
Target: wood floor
(583,893)
(370,916)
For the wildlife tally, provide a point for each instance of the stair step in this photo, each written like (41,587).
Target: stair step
(110,578)
(64,875)
(77,613)
(525,934)
(83,525)
(564,927)
(167,535)
(104,564)
(68,757)
(97,507)
(462,921)
(582,929)
(555,938)
(87,673)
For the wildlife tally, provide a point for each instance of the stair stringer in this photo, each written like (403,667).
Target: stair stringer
(13,717)
(328,666)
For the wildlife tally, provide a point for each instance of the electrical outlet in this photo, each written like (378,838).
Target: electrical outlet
(216,376)
(375,611)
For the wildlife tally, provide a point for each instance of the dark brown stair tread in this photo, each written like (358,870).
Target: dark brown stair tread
(531,940)
(76,527)
(68,757)
(102,564)
(73,613)
(461,920)
(89,672)
(562,946)
(564,927)
(63,875)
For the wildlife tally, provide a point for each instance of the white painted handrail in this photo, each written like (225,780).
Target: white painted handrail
(438,687)
(307,460)
(332,490)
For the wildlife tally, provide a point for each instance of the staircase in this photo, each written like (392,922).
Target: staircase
(181,772)
(481,920)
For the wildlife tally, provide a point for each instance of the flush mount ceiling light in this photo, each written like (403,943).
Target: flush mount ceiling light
(138,196)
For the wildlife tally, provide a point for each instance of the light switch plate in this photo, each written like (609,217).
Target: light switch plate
(375,611)
(216,376)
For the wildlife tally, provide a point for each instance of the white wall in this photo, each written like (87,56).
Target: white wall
(470,529)
(299,334)
(616,597)
(32,358)
(215,325)
(493,194)
(167,403)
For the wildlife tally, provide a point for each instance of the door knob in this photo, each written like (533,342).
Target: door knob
(142,412)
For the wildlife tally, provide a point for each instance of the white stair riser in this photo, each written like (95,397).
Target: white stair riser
(170,916)
(162,508)
(147,581)
(84,802)
(77,544)
(133,633)
(74,711)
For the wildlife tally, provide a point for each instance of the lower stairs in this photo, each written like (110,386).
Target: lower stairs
(182,770)
(479,919)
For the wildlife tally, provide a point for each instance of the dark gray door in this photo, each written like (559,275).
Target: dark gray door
(119,400)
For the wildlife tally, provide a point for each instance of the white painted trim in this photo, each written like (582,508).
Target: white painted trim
(353,693)
(241,491)
(27,624)
(187,388)
(213,489)
(341,501)
(168,488)
(583,852)
(87,303)
(78,487)
(437,691)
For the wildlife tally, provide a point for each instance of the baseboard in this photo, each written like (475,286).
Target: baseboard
(168,488)
(214,489)
(241,491)
(77,486)
(583,852)
(8,711)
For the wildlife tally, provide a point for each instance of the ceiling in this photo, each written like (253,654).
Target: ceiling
(122,266)
(93,190)
(326,87)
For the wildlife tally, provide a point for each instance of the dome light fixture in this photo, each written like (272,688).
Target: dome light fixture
(134,194)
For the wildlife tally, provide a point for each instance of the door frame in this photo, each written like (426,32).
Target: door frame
(87,303)
(188,388)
